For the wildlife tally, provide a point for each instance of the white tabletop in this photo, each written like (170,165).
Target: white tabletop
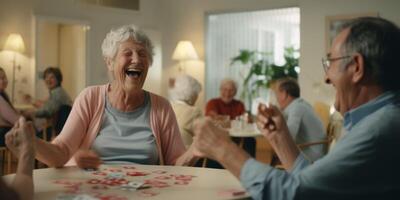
(246,130)
(166,182)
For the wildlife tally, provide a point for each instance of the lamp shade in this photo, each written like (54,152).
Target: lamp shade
(15,43)
(184,51)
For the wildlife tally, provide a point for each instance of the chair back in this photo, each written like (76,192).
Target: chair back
(61,117)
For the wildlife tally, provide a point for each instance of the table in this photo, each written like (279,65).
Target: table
(164,182)
(246,130)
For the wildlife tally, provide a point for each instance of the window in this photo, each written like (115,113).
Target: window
(267,31)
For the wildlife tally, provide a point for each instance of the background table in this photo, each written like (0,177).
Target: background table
(168,182)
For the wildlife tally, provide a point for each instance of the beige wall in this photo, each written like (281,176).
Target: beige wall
(72,58)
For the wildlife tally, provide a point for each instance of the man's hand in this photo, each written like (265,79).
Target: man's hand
(87,159)
(20,139)
(272,125)
(209,140)
(271,122)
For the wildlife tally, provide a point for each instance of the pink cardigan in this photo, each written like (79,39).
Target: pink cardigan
(84,121)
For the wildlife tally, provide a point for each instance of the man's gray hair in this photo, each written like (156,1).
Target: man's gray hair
(116,36)
(185,88)
(378,41)
(229,81)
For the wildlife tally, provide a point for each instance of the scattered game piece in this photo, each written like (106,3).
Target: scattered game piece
(136,173)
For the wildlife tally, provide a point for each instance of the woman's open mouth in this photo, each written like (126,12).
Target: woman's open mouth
(134,73)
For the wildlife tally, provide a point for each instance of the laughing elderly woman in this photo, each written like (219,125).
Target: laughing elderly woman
(119,122)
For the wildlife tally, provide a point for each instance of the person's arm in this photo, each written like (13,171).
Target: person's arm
(20,141)
(260,180)
(7,112)
(63,147)
(211,109)
(272,125)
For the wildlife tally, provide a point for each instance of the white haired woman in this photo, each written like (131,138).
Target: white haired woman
(184,95)
(119,123)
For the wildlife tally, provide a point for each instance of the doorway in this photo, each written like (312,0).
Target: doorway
(61,43)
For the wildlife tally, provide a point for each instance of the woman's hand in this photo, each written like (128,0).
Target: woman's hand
(20,139)
(87,159)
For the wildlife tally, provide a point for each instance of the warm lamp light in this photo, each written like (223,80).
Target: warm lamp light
(14,43)
(184,51)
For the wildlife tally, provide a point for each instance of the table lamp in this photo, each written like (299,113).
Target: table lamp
(184,51)
(14,43)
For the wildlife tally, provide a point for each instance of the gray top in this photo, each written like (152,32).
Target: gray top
(57,97)
(363,165)
(305,126)
(126,137)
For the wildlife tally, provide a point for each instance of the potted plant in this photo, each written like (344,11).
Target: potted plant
(261,72)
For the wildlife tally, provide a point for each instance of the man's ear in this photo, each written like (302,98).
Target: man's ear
(358,68)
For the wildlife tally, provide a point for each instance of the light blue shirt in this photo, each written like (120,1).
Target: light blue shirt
(305,126)
(126,137)
(365,163)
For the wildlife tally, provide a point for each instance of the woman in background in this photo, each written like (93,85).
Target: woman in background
(184,95)
(57,95)
(8,114)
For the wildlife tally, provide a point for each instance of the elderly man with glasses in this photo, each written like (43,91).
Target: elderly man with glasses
(362,66)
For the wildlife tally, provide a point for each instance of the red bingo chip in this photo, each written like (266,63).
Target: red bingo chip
(94,181)
(136,173)
(99,187)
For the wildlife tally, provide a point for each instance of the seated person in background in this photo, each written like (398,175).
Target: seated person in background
(226,105)
(184,95)
(8,114)
(20,141)
(363,67)
(119,122)
(57,95)
(304,125)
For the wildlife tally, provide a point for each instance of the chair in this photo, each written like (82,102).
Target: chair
(56,122)
(6,160)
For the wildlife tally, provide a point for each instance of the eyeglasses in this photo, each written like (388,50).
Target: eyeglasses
(326,62)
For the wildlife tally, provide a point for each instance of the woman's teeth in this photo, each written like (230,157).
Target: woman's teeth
(133,73)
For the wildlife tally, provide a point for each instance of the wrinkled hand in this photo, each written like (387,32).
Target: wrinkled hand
(271,122)
(20,139)
(87,159)
(209,140)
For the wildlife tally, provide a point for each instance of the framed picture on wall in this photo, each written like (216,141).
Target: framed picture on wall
(333,23)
